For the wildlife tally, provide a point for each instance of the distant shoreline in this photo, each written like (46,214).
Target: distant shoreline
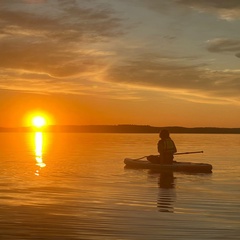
(123,128)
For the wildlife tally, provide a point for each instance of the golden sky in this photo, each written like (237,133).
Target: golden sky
(159,63)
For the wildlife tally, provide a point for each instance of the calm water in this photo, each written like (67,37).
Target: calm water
(75,186)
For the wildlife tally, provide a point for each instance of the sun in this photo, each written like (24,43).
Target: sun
(39,121)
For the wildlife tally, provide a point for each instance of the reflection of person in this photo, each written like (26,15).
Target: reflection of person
(166,149)
(166,180)
(166,196)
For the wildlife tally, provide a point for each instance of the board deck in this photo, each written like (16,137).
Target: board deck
(176,166)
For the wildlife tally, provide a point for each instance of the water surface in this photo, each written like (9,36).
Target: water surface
(75,186)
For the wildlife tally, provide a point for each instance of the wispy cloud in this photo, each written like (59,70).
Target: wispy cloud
(86,47)
(228,10)
(224,45)
(34,1)
(55,43)
(189,80)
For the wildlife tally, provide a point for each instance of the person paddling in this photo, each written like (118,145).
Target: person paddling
(166,148)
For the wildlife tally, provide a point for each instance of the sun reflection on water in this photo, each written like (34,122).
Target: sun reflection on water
(39,152)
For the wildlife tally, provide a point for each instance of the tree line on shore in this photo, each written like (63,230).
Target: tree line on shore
(123,128)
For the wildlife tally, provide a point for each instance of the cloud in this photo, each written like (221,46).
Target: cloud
(66,18)
(47,57)
(40,83)
(78,47)
(219,45)
(55,41)
(228,10)
(223,45)
(34,1)
(230,4)
(197,81)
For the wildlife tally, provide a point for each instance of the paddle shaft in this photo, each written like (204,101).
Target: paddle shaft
(188,152)
(174,154)
(140,158)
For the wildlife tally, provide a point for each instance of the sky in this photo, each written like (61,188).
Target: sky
(144,62)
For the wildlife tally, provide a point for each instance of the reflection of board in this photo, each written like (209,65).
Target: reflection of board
(176,166)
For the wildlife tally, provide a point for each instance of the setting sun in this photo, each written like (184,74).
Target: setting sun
(39,121)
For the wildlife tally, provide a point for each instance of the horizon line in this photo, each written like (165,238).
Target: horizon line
(120,128)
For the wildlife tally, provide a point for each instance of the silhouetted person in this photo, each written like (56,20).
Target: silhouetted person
(166,148)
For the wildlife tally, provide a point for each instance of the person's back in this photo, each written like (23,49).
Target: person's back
(166,147)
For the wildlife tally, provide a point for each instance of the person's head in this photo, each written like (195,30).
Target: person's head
(164,134)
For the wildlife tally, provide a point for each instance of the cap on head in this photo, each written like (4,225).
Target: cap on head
(164,134)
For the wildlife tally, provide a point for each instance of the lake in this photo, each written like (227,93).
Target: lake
(68,186)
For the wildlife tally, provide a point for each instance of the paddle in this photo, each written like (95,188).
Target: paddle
(140,158)
(181,153)
(187,152)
